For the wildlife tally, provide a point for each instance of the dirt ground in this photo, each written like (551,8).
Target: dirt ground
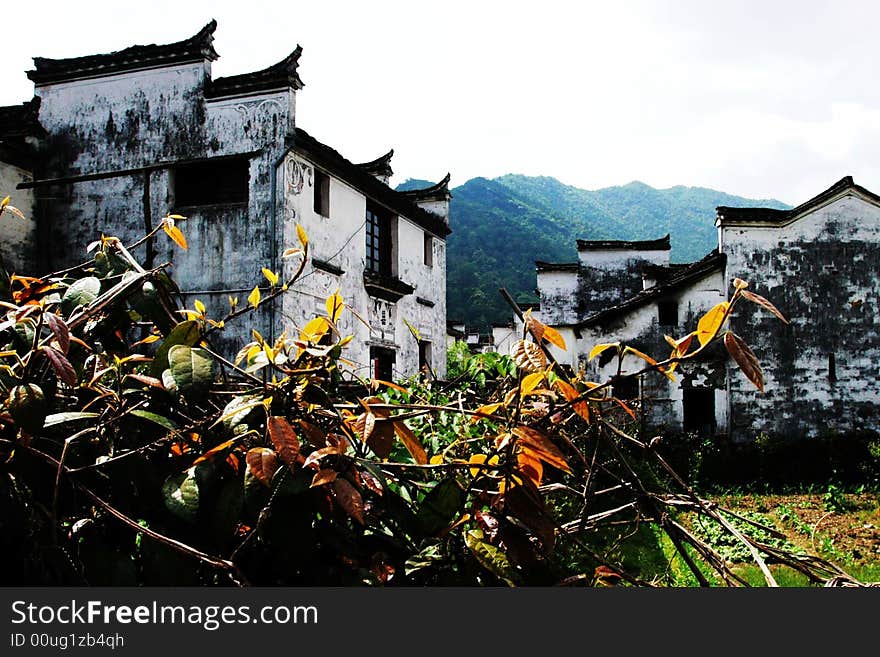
(844,529)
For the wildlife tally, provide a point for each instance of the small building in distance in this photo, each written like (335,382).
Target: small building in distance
(114,142)
(817,263)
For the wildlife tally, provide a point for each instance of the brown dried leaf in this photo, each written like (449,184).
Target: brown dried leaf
(214,451)
(582,408)
(324,477)
(764,303)
(60,330)
(263,462)
(318,454)
(146,380)
(530,465)
(349,499)
(63,369)
(745,358)
(541,446)
(528,356)
(411,442)
(524,503)
(372,482)
(284,439)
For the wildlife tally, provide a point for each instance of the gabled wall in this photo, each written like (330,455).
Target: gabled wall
(821,271)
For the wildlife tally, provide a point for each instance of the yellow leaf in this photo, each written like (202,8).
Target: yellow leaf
(200,307)
(437,459)
(233,302)
(649,360)
(344,341)
(271,276)
(289,253)
(553,336)
(174,232)
(5,202)
(531,382)
(479,459)
(334,306)
(488,409)
(314,330)
(599,348)
(709,323)
(176,217)
(301,234)
(254,297)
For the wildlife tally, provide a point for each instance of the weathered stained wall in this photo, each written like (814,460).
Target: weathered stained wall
(662,399)
(17,236)
(340,239)
(559,296)
(821,272)
(124,123)
(607,277)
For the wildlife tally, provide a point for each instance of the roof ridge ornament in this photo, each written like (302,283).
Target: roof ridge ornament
(138,57)
(437,192)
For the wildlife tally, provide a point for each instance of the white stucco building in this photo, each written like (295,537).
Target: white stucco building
(124,138)
(817,263)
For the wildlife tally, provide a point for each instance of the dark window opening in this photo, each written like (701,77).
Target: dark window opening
(429,250)
(625,388)
(322,193)
(378,241)
(832,369)
(212,182)
(424,356)
(667,313)
(699,411)
(382,363)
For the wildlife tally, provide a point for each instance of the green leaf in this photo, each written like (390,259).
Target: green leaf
(62,418)
(81,293)
(186,333)
(440,507)
(489,556)
(192,369)
(181,494)
(152,417)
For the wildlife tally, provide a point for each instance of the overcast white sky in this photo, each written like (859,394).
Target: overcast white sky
(762,99)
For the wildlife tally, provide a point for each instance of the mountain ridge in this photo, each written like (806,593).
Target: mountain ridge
(501,226)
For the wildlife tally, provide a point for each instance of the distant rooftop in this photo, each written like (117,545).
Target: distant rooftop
(661,244)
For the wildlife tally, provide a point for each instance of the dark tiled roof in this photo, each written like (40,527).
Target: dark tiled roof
(713,262)
(661,244)
(727,216)
(17,123)
(331,161)
(197,48)
(381,166)
(663,272)
(278,76)
(438,192)
(21,120)
(540,265)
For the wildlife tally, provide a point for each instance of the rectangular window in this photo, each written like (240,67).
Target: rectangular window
(322,193)
(425,356)
(429,250)
(667,313)
(699,411)
(221,181)
(625,388)
(378,241)
(382,363)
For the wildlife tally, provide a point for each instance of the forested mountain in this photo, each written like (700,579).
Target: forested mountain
(501,226)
